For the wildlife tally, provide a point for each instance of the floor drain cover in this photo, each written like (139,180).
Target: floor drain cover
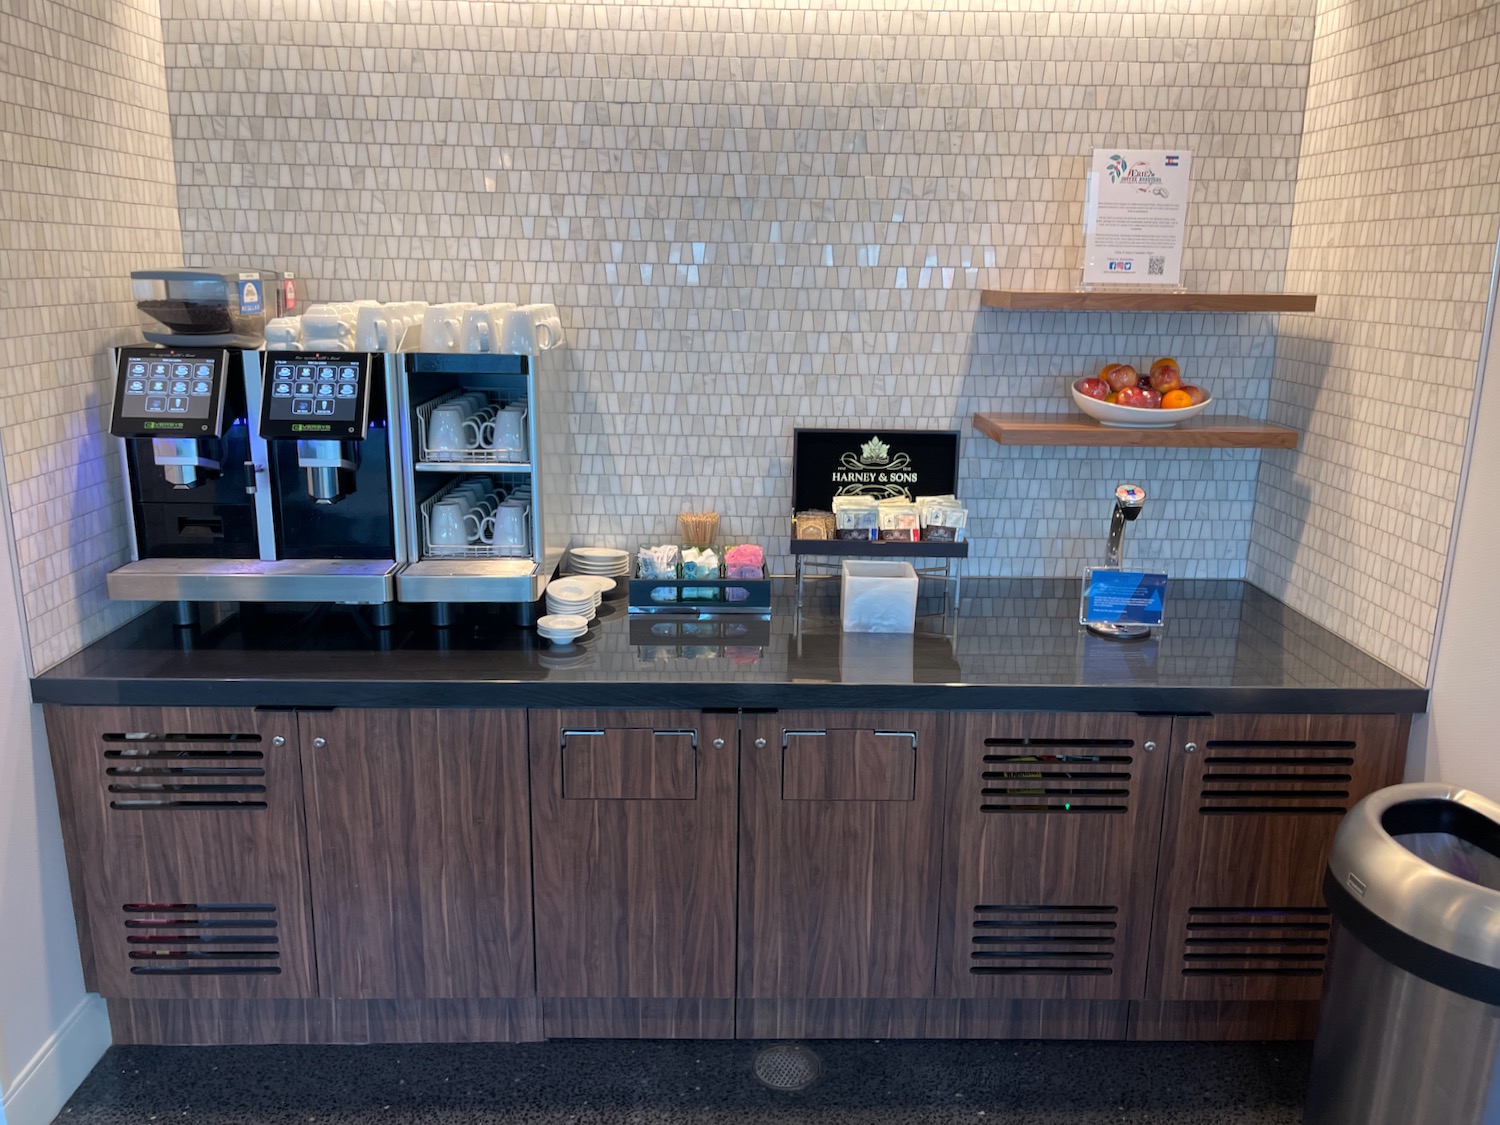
(787,1066)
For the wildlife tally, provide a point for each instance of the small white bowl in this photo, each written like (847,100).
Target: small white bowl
(1134,417)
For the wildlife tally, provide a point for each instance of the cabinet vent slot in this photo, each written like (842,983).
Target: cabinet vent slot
(1251,941)
(1262,784)
(1041,782)
(149,776)
(1043,941)
(174,943)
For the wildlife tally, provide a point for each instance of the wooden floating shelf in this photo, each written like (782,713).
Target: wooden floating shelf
(1117,301)
(1204,432)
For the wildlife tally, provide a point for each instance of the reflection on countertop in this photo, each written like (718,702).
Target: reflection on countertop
(1013,644)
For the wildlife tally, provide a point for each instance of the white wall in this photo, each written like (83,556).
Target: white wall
(51,1031)
(1456,742)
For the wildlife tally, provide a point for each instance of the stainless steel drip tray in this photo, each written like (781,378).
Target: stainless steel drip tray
(469,580)
(358,581)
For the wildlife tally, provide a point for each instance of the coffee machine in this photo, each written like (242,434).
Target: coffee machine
(252,476)
(333,469)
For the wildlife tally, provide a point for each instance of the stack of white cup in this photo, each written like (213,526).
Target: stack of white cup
(474,514)
(329,327)
(474,426)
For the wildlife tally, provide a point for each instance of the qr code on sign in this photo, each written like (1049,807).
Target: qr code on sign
(1156,266)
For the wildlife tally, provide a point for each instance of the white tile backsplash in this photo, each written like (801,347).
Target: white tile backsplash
(762,215)
(1395,228)
(88,183)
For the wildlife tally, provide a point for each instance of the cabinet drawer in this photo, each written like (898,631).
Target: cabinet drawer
(629,764)
(848,765)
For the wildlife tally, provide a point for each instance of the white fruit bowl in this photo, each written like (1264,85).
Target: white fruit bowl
(1135,417)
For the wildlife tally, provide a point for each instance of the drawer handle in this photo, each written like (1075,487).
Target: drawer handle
(718,744)
(278,741)
(788,735)
(690,734)
(1191,747)
(319,743)
(760,743)
(1149,747)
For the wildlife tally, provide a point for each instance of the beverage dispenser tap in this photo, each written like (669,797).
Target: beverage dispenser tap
(1129,500)
(330,466)
(180,460)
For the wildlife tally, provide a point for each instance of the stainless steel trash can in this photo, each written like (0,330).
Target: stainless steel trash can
(1410,1031)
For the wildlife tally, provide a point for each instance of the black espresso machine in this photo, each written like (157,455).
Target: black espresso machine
(252,476)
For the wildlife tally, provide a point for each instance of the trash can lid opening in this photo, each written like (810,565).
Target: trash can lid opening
(1452,837)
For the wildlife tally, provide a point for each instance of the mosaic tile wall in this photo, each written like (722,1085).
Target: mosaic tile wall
(1395,229)
(87,181)
(768,214)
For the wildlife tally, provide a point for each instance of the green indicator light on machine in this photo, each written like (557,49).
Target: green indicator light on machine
(1067,805)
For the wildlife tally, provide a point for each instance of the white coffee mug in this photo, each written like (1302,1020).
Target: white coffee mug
(446,526)
(445,428)
(506,530)
(523,335)
(372,330)
(442,327)
(482,327)
(331,323)
(504,434)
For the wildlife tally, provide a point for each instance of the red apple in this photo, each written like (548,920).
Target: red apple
(1123,376)
(1139,397)
(1153,398)
(1166,375)
(1198,394)
(1094,388)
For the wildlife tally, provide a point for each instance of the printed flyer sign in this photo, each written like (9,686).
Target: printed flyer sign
(1134,216)
(1122,597)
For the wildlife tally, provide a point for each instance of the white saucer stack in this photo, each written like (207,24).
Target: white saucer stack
(576,596)
(562,628)
(598,562)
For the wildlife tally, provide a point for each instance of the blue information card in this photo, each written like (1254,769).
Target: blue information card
(1122,597)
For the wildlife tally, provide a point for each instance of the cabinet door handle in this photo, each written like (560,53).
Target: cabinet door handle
(1191,747)
(760,743)
(718,744)
(1149,747)
(319,743)
(278,741)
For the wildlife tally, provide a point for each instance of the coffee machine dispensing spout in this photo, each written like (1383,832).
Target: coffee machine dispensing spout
(330,467)
(181,460)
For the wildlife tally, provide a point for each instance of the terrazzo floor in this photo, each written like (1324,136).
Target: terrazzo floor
(699,1083)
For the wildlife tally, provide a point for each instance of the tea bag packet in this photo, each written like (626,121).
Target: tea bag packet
(700,562)
(856,517)
(948,523)
(925,504)
(813,525)
(900,521)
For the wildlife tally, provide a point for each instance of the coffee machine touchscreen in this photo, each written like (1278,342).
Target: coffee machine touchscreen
(170,392)
(316,395)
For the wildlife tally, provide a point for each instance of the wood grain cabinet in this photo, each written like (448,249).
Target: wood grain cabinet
(1240,932)
(184,832)
(633,838)
(1049,868)
(419,852)
(839,852)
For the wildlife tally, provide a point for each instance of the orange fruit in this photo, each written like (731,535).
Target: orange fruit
(1176,400)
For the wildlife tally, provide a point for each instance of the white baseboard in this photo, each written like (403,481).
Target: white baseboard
(43,1085)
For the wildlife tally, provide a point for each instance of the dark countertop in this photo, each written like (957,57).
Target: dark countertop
(1014,645)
